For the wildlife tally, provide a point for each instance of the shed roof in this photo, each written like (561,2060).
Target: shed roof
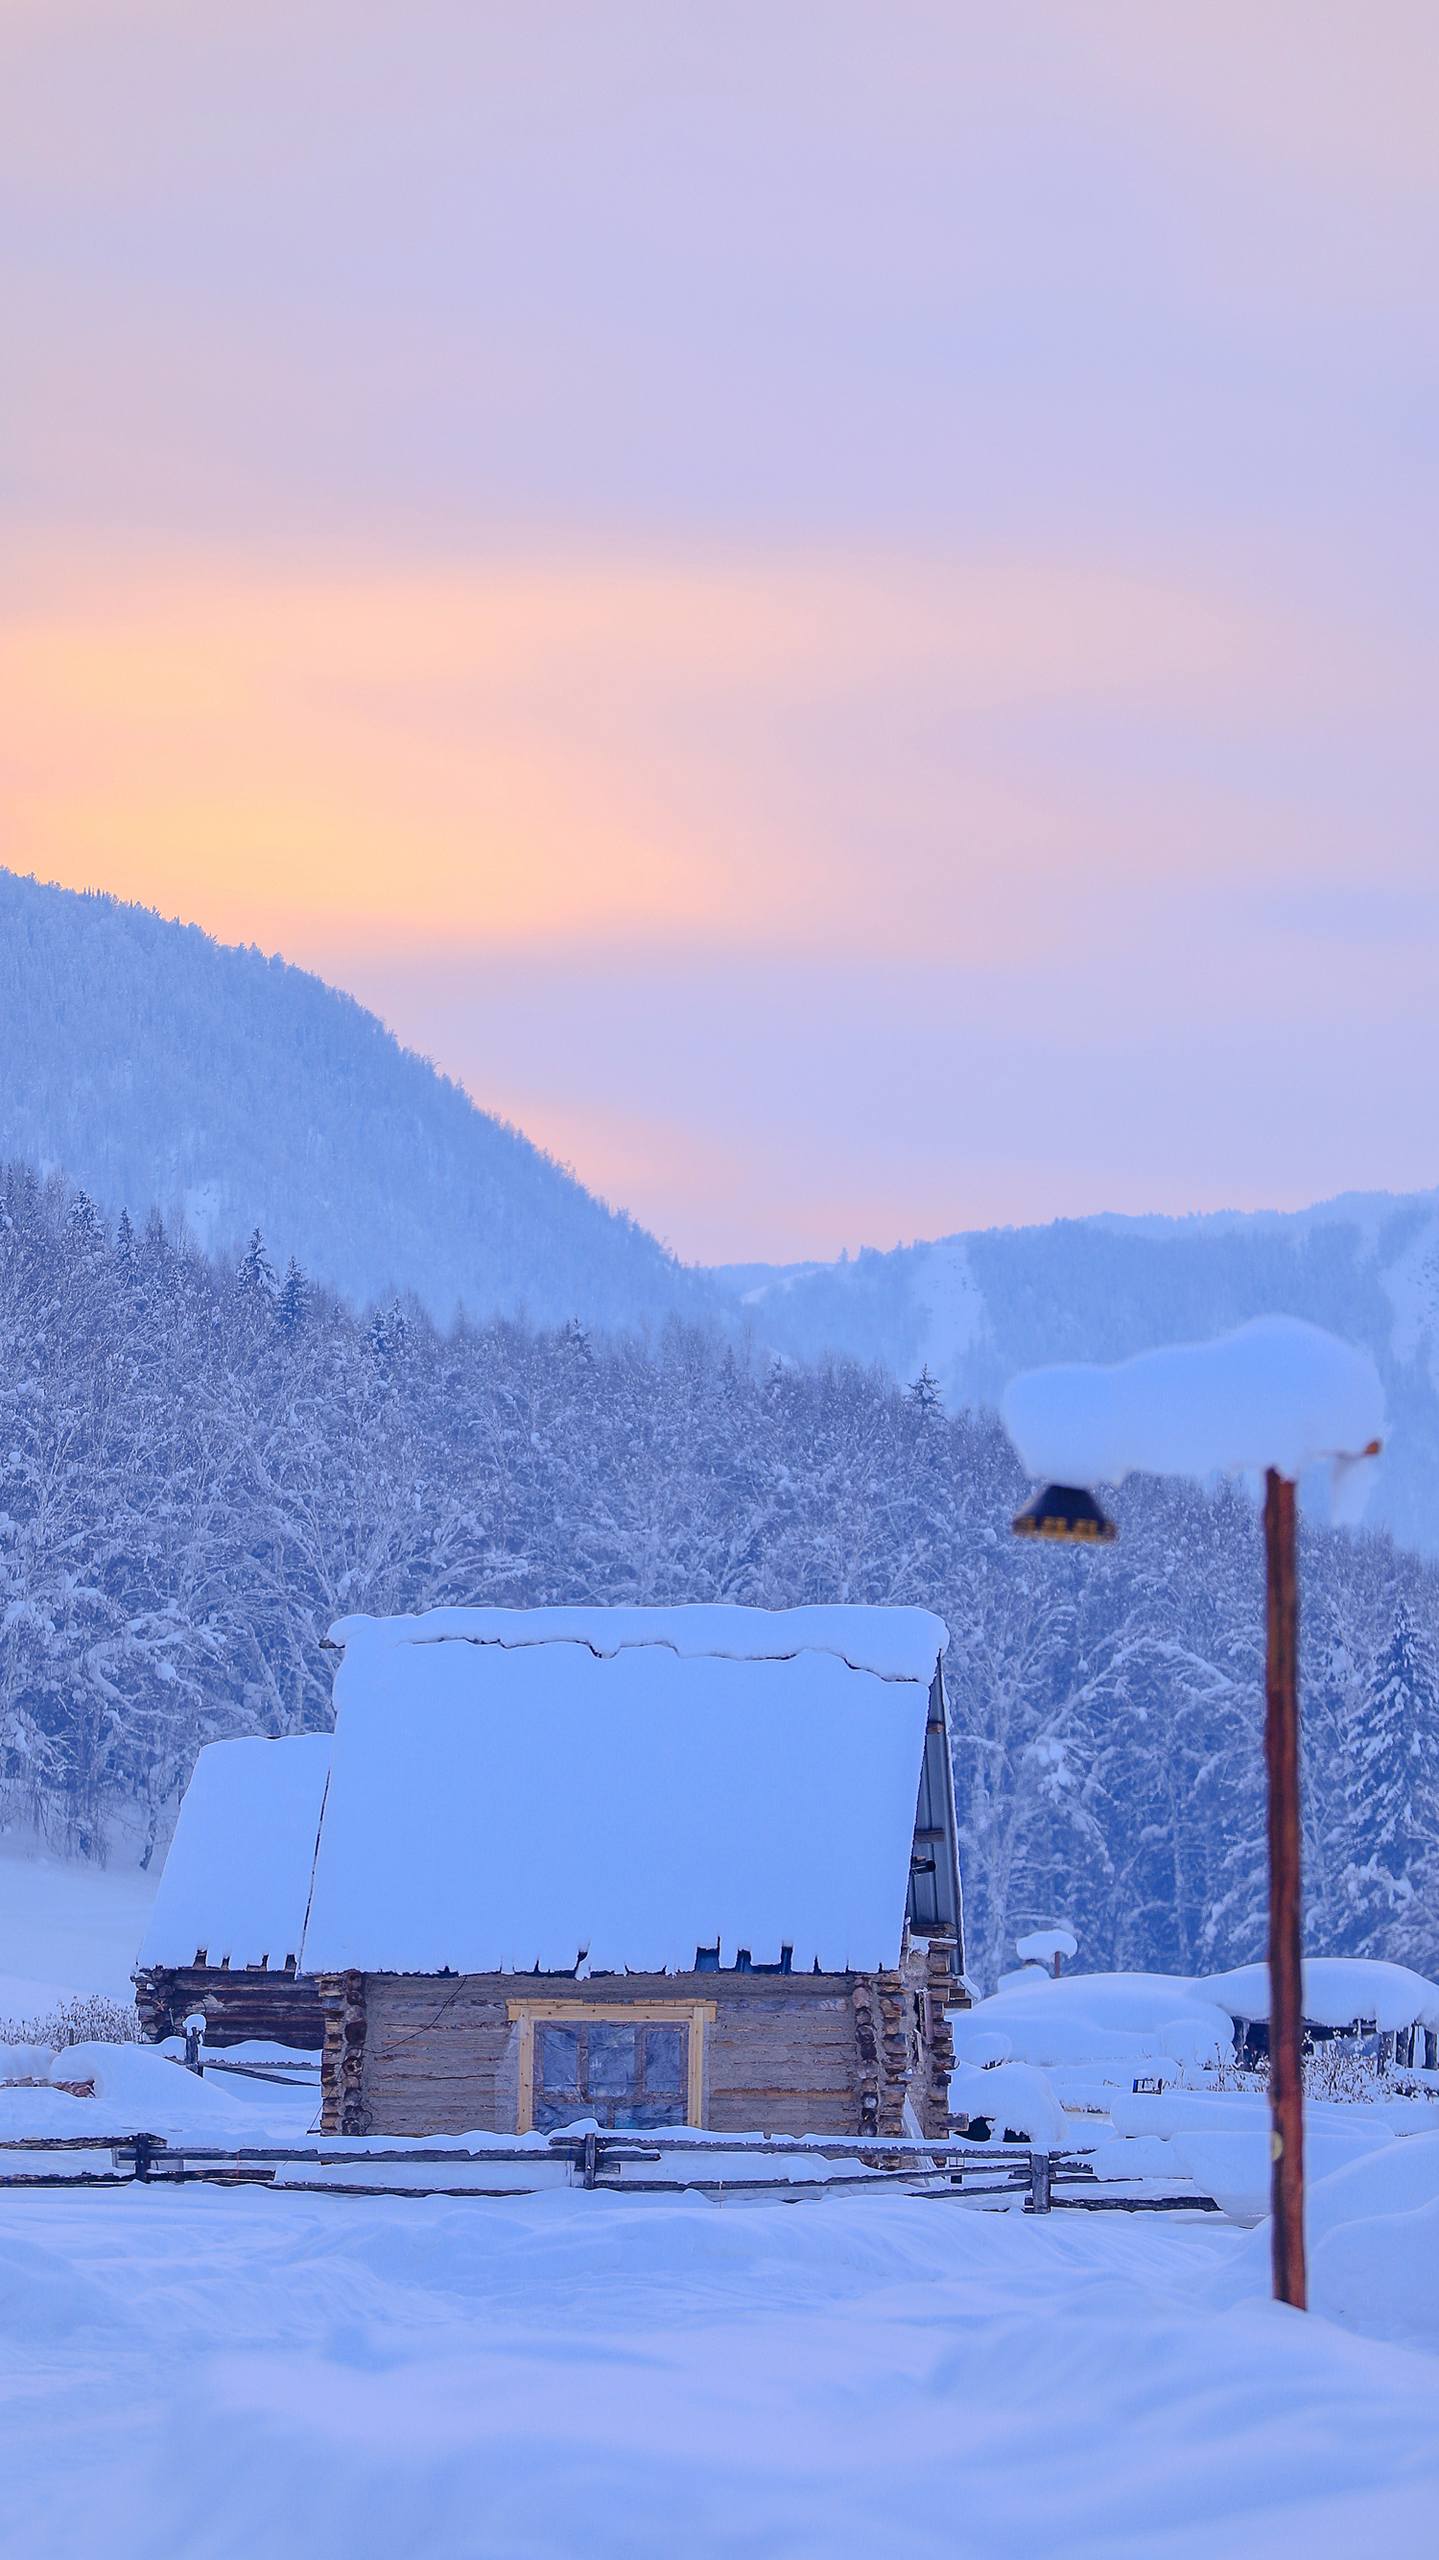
(237,1876)
(514,1790)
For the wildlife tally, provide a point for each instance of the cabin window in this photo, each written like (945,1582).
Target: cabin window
(635,2065)
(622,2075)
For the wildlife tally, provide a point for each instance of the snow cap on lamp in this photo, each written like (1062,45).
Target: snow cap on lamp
(1274,1393)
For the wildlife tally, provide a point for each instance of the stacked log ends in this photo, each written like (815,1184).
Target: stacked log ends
(342,1998)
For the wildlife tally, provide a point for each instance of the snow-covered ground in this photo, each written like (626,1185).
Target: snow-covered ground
(218,2373)
(200,2373)
(66,1928)
(205,2373)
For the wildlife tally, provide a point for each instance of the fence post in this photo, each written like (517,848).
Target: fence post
(589,2159)
(144,2147)
(1040,2169)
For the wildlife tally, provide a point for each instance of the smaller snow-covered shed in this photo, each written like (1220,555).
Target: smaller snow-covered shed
(1342,1995)
(227,1924)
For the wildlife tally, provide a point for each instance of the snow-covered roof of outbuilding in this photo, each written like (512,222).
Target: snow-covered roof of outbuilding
(1338,1992)
(237,1876)
(522,1789)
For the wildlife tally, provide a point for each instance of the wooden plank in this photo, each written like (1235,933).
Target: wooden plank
(641,2013)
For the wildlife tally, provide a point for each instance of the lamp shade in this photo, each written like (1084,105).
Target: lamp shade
(1067,1512)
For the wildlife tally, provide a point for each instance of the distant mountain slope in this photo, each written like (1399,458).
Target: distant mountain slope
(153,1065)
(978,1307)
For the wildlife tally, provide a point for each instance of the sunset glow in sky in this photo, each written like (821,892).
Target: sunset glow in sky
(832,606)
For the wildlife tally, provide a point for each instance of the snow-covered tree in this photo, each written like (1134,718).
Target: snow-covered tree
(1393,1788)
(293,1299)
(923,1397)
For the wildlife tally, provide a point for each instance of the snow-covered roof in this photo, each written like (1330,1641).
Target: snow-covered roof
(895,1644)
(237,1876)
(522,1789)
(1338,1990)
(1132,2022)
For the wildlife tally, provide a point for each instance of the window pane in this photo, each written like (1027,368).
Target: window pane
(664,2062)
(612,2061)
(552,2113)
(558,2058)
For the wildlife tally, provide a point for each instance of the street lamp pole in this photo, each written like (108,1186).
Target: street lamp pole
(1286,1994)
(1071,1515)
(1198,1410)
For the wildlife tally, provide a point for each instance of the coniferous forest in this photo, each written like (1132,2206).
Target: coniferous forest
(203,1464)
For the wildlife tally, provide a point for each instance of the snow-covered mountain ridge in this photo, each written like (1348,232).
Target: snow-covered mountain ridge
(977,1307)
(156,1067)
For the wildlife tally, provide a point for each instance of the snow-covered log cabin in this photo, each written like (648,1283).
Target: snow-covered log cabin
(651,1866)
(228,1918)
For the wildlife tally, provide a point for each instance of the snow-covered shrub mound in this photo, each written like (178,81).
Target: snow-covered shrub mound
(1378,2276)
(25,2062)
(1231,2162)
(134,2089)
(1374,2242)
(1372,2225)
(1012,2099)
(1398,2177)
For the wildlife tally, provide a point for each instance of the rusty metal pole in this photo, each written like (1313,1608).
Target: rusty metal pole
(1286,1996)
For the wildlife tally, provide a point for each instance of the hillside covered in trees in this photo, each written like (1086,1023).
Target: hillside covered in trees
(203,1463)
(161,1069)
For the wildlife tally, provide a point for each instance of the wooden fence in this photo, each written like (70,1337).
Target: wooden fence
(612,2163)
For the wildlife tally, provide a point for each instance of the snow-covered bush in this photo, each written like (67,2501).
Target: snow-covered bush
(89,2018)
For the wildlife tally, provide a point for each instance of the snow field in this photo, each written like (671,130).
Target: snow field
(67,1928)
(220,2373)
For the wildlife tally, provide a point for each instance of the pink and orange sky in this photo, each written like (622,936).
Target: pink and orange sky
(833,606)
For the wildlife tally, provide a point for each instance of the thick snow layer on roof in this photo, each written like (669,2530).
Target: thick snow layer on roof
(1123,2025)
(896,1644)
(1132,2021)
(505,1804)
(1338,1990)
(237,1877)
(1275,1393)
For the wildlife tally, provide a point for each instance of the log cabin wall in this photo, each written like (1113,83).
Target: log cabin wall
(783,2053)
(437,2054)
(275,2008)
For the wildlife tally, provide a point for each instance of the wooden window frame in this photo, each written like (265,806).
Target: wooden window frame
(694,2014)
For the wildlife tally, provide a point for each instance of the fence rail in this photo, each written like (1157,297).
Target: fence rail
(603,2162)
